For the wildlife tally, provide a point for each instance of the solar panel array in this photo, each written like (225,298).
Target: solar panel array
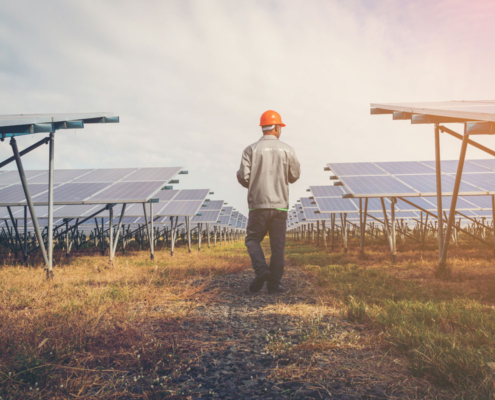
(84,186)
(414,178)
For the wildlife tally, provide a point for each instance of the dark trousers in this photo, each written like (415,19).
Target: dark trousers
(260,223)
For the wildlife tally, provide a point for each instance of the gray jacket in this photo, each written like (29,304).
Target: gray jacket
(267,168)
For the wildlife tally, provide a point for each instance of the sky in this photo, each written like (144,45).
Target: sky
(190,79)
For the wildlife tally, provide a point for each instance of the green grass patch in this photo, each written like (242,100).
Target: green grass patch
(446,335)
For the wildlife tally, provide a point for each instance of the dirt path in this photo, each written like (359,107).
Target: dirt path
(286,346)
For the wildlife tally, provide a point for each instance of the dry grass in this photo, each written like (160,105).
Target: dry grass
(82,333)
(446,328)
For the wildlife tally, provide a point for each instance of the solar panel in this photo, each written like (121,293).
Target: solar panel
(60,176)
(88,186)
(427,184)
(125,192)
(335,204)
(195,194)
(10,177)
(378,186)
(206,216)
(70,192)
(227,211)
(74,211)
(166,195)
(327,191)
(408,167)
(450,166)
(359,169)
(485,182)
(488,163)
(307,202)
(213,205)
(311,214)
(15,193)
(105,175)
(152,174)
(181,208)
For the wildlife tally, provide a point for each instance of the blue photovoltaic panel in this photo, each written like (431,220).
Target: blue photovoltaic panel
(126,192)
(227,211)
(378,185)
(15,193)
(182,208)
(235,214)
(212,205)
(352,169)
(483,202)
(76,211)
(10,177)
(311,215)
(450,166)
(488,163)
(424,203)
(60,176)
(375,204)
(307,202)
(166,195)
(224,220)
(335,204)
(327,191)
(407,167)
(485,182)
(194,194)
(298,207)
(106,175)
(71,192)
(153,174)
(206,216)
(427,184)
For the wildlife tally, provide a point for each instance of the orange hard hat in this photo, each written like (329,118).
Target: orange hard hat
(271,117)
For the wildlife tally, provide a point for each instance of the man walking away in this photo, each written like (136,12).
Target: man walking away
(267,168)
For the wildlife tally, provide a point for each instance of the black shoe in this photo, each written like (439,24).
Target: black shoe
(278,290)
(258,282)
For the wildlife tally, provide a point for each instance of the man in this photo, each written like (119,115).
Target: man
(267,168)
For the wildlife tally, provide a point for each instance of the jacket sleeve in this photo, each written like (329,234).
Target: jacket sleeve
(294,168)
(245,169)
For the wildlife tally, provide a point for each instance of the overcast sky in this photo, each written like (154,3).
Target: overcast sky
(190,79)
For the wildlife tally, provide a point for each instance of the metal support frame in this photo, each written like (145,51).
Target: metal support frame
(113,246)
(51,166)
(438,170)
(200,231)
(343,221)
(188,229)
(362,223)
(455,195)
(29,201)
(208,233)
(493,221)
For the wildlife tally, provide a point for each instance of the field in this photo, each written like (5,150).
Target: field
(184,327)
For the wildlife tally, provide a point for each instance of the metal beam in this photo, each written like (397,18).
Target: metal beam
(471,142)
(25,187)
(25,151)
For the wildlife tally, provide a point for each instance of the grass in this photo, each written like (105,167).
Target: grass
(445,328)
(95,325)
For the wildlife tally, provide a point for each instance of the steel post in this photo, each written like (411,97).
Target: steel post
(438,169)
(25,187)
(152,234)
(110,233)
(393,233)
(455,195)
(51,166)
